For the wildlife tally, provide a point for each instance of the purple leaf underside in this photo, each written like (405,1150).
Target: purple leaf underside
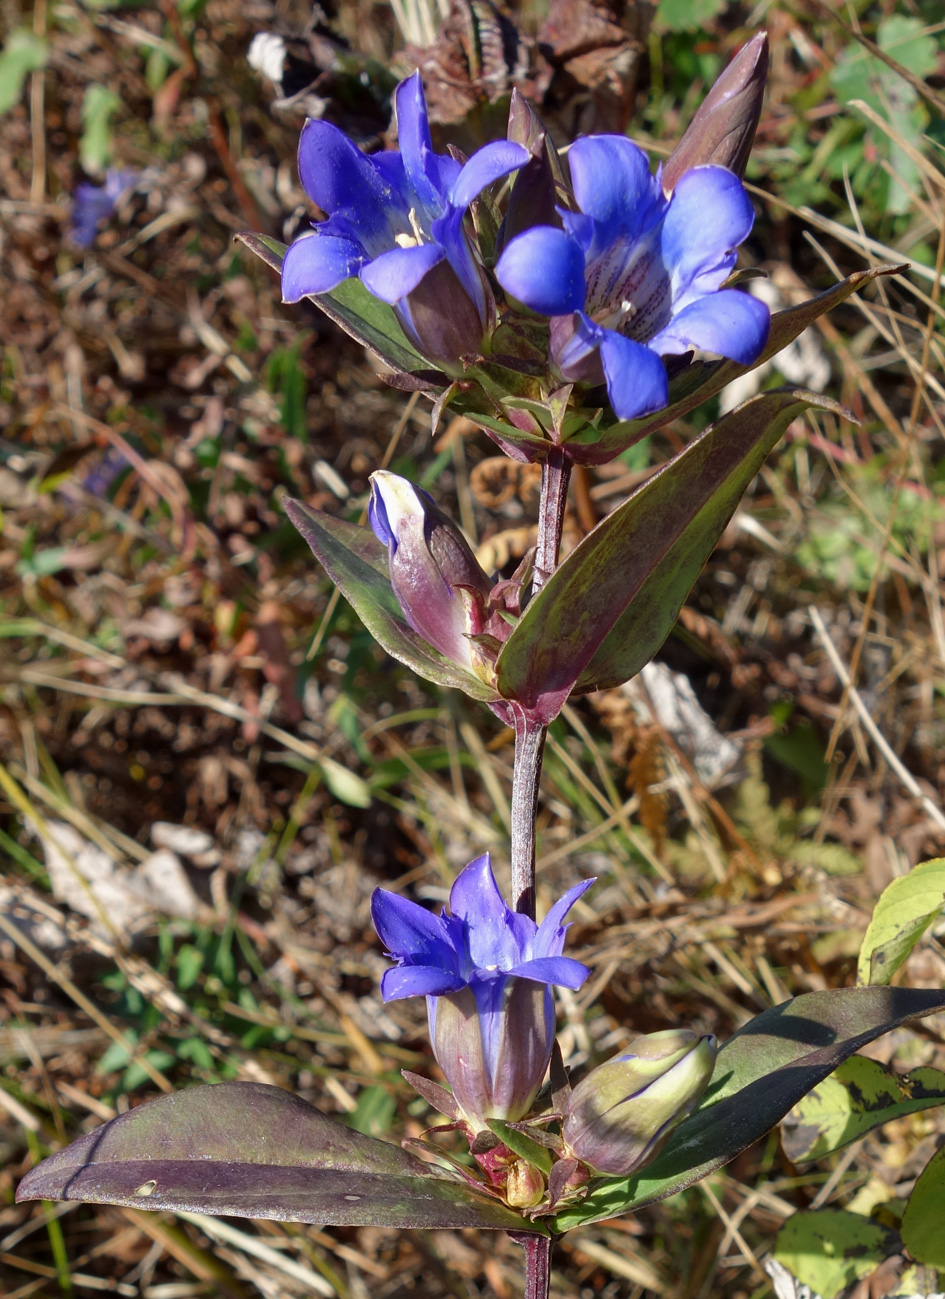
(254,1151)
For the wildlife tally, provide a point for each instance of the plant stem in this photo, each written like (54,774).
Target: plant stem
(526,773)
(529,734)
(555,476)
(537,1263)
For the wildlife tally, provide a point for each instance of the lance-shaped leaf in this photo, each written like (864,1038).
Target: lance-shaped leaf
(255,1151)
(368,320)
(612,602)
(860,1096)
(356,561)
(704,379)
(760,1074)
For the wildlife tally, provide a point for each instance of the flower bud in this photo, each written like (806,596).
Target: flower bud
(435,576)
(619,1117)
(723,129)
(525,1187)
(494,1057)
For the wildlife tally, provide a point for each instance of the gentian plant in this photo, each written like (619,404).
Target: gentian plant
(563,304)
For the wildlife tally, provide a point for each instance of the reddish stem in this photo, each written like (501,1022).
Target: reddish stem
(537,1263)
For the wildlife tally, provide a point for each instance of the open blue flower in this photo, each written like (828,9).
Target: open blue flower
(396,220)
(634,276)
(486,972)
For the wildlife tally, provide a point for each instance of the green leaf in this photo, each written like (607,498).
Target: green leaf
(364,317)
(704,379)
(256,1151)
(921,1226)
(22,54)
(829,1249)
(612,602)
(99,106)
(760,1074)
(903,913)
(357,563)
(860,1096)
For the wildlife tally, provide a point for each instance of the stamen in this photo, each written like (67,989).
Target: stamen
(418,237)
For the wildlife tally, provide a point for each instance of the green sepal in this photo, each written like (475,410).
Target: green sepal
(521,1145)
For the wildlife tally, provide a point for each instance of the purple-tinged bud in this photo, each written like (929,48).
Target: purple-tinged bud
(723,129)
(525,1187)
(534,195)
(435,576)
(494,1058)
(619,1117)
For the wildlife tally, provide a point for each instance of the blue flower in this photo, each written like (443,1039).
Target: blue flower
(92,204)
(634,276)
(486,972)
(396,220)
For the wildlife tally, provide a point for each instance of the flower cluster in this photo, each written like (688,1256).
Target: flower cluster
(627,271)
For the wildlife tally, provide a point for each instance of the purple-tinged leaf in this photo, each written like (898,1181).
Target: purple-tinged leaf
(760,1074)
(253,1151)
(611,603)
(357,563)
(368,320)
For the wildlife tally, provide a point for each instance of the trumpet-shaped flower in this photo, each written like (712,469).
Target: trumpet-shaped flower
(486,972)
(396,220)
(634,276)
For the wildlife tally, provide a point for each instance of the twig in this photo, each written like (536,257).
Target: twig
(908,780)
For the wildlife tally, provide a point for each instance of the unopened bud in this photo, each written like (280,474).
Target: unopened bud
(723,129)
(525,1187)
(436,578)
(619,1117)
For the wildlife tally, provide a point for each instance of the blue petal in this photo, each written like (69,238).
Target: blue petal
(550,937)
(475,896)
(559,970)
(341,179)
(411,933)
(393,275)
(378,518)
(418,981)
(317,263)
(612,184)
(728,323)
(431,175)
(485,166)
(544,268)
(709,216)
(636,377)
